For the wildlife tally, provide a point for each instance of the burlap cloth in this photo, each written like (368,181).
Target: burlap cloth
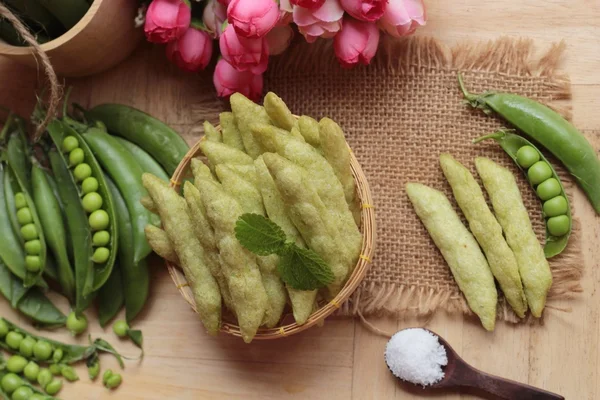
(399,114)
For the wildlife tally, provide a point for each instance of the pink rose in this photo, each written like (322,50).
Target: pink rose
(403,17)
(228,80)
(279,39)
(365,10)
(310,4)
(166,20)
(253,18)
(213,16)
(242,53)
(356,43)
(322,22)
(192,51)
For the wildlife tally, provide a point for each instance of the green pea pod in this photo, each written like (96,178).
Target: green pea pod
(26,383)
(125,172)
(50,269)
(156,138)
(9,195)
(135,277)
(100,273)
(11,286)
(145,160)
(17,157)
(549,129)
(511,143)
(110,296)
(11,250)
(55,191)
(53,227)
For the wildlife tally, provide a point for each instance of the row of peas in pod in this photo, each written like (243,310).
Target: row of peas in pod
(29,233)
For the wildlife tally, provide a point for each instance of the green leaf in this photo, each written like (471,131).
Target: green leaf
(136,337)
(260,235)
(103,345)
(303,269)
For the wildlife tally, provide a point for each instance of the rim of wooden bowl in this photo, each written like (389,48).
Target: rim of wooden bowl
(368,229)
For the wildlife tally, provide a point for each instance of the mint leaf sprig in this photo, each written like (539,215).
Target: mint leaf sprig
(300,268)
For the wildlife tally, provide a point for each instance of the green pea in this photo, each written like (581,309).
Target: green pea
(16,364)
(29,232)
(31,371)
(33,247)
(94,370)
(33,263)
(101,238)
(89,185)
(55,369)
(539,172)
(92,202)
(527,156)
(76,157)
(82,172)
(24,216)
(42,350)
(76,325)
(558,226)
(54,387)
(99,220)
(13,339)
(22,393)
(107,374)
(44,377)
(548,189)
(20,201)
(57,355)
(26,347)
(11,382)
(113,381)
(69,373)
(69,144)
(101,255)
(37,396)
(556,206)
(120,328)
(3,328)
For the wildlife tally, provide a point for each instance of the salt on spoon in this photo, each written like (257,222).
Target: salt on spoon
(422,357)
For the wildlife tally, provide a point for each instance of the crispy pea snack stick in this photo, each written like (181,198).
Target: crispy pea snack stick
(460,250)
(212,133)
(160,243)
(279,112)
(246,112)
(231,134)
(512,215)
(220,153)
(487,231)
(309,129)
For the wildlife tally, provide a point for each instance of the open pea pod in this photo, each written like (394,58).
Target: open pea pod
(34,389)
(511,143)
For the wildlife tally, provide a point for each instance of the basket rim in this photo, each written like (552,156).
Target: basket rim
(368,230)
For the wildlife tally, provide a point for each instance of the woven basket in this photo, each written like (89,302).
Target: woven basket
(287,325)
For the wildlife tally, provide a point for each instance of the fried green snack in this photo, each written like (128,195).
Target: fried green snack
(148,204)
(302,300)
(512,215)
(246,112)
(219,153)
(238,264)
(250,199)
(206,237)
(324,180)
(309,129)
(337,154)
(279,112)
(176,222)
(248,172)
(460,250)
(487,231)
(201,170)
(212,133)
(231,134)
(160,243)
(306,210)
(295,133)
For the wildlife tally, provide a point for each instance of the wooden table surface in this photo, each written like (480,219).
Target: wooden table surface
(343,360)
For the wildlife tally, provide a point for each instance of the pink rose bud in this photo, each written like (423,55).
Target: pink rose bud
(285,5)
(192,51)
(325,21)
(253,18)
(403,17)
(356,43)
(228,80)
(213,16)
(166,20)
(242,53)
(365,10)
(279,39)
(310,4)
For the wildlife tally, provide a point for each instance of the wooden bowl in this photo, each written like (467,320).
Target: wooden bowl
(101,39)
(287,325)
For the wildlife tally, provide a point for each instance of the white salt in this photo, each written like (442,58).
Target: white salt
(416,355)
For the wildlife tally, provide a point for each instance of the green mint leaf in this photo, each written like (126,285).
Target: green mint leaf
(303,269)
(260,235)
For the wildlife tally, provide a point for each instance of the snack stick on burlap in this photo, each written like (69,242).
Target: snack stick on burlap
(309,129)
(246,113)
(279,112)
(231,134)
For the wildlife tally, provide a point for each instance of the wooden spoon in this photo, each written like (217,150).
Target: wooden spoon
(459,374)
